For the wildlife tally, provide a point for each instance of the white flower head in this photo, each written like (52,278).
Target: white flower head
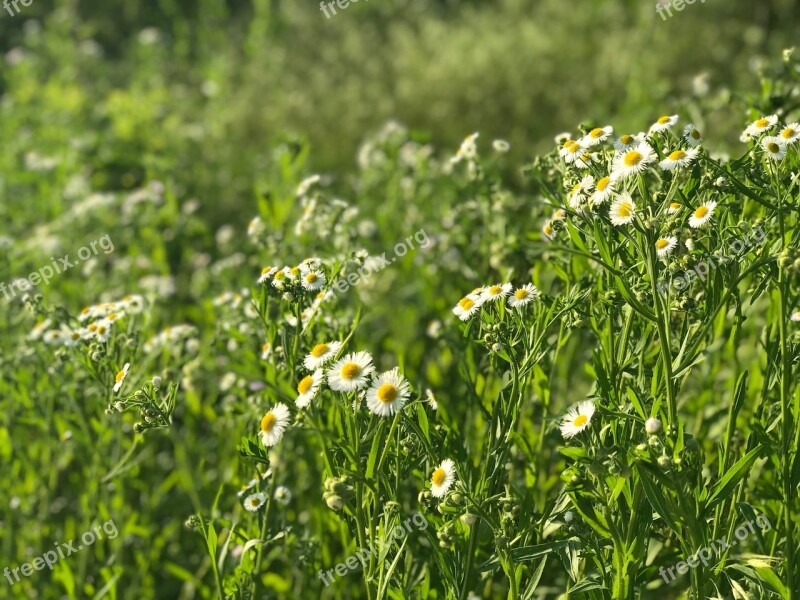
(692,135)
(632,162)
(321,354)
(679,158)
(120,378)
(308,387)
(665,245)
(350,373)
(664,123)
(274,424)
(523,295)
(774,147)
(255,501)
(761,125)
(496,292)
(577,419)
(388,393)
(443,477)
(596,136)
(623,210)
(468,306)
(702,214)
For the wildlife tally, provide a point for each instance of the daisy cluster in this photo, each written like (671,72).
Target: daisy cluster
(95,323)
(171,337)
(490,295)
(773,139)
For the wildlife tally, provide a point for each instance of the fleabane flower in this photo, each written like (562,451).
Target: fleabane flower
(692,135)
(443,478)
(632,162)
(321,354)
(468,306)
(795,316)
(267,273)
(350,373)
(603,190)
(120,378)
(388,393)
(579,192)
(664,123)
(790,134)
(255,501)
(673,207)
(312,280)
(577,419)
(623,210)
(496,292)
(761,125)
(523,295)
(679,158)
(274,424)
(307,388)
(562,152)
(266,351)
(665,245)
(702,214)
(774,147)
(573,152)
(626,142)
(596,136)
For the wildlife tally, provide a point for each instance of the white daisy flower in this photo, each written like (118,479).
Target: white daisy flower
(631,163)
(577,419)
(307,388)
(702,214)
(573,152)
(501,146)
(321,354)
(692,135)
(468,306)
(579,192)
(468,149)
(312,280)
(350,373)
(496,292)
(443,478)
(664,123)
(585,160)
(255,501)
(548,231)
(679,158)
(388,393)
(247,487)
(665,245)
(774,147)
(623,210)
(673,207)
(282,495)
(596,136)
(266,351)
(267,273)
(274,424)
(796,316)
(790,134)
(626,142)
(564,150)
(602,191)
(559,215)
(280,277)
(522,296)
(762,125)
(120,378)
(431,399)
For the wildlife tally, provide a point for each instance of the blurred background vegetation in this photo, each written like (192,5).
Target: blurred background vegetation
(156,84)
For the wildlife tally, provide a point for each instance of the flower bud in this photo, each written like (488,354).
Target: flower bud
(652,426)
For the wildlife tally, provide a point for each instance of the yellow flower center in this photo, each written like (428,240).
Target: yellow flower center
(350,371)
(580,420)
(596,133)
(387,393)
(625,210)
(120,376)
(574,147)
(466,303)
(701,212)
(761,123)
(674,205)
(663,120)
(266,270)
(695,134)
(633,158)
(319,350)
(85,310)
(788,132)
(92,327)
(567,144)
(311,277)
(438,476)
(560,214)
(677,155)
(305,384)
(548,229)
(264,347)
(626,139)
(268,422)
(662,243)
(295,271)
(603,184)
(495,289)
(773,147)
(521,294)
(575,188)
(76,336)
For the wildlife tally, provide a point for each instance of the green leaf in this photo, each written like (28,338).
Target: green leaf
(723,489)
